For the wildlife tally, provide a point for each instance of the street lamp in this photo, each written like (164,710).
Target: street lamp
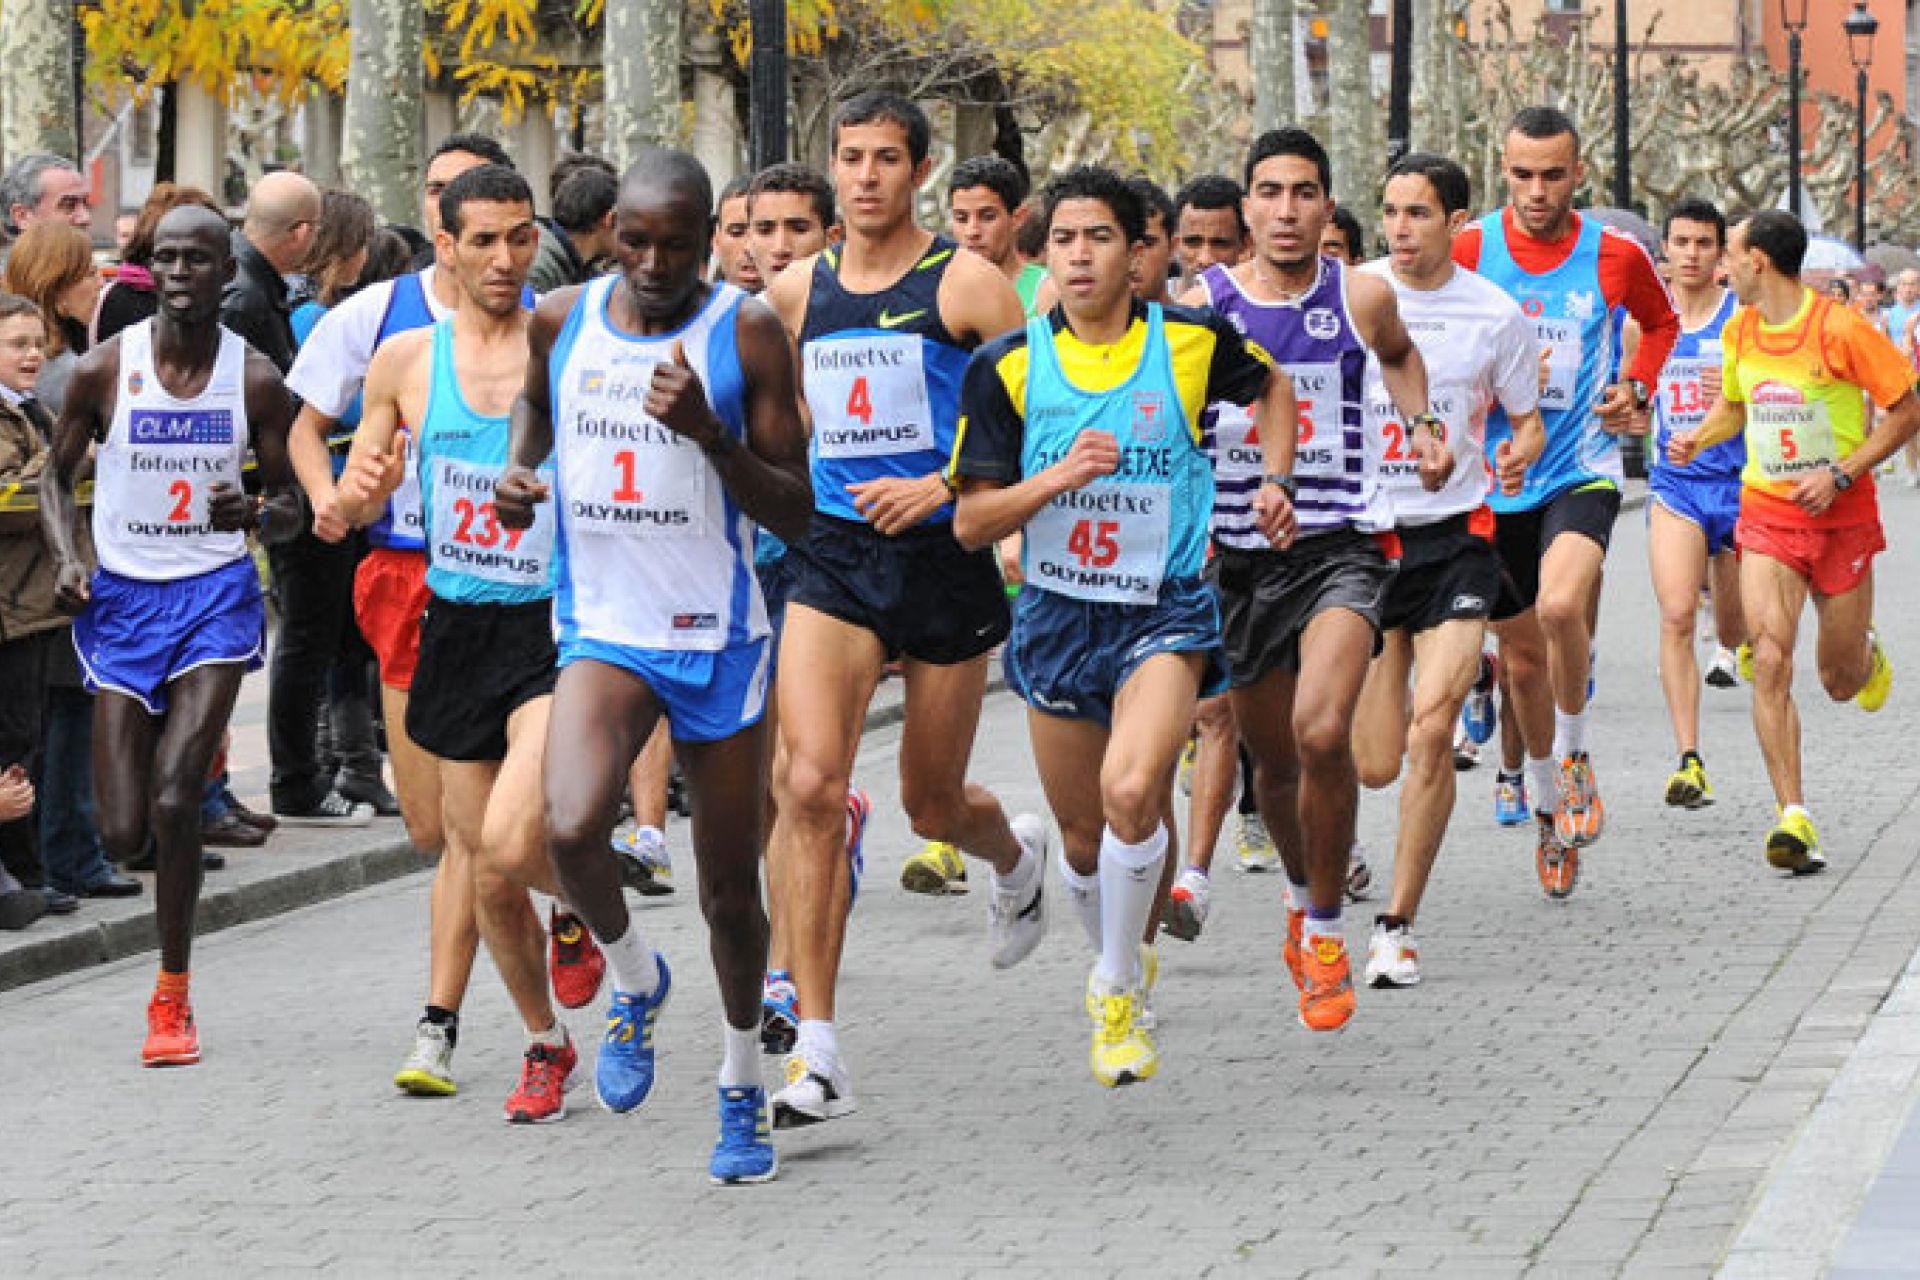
(1622,143)
(1861,27)
(767,77)
(1793,17)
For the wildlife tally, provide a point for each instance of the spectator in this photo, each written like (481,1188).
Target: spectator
(52,267)
(388,258)
(576,242)
(32,634)
(282,219)
(43,188)
(129,297)
(1344,238)
(123,224)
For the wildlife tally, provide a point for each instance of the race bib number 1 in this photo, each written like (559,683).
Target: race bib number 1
(1683,396)
(1107,543)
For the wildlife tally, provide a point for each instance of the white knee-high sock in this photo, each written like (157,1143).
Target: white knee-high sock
(1084,893)
(1129,877)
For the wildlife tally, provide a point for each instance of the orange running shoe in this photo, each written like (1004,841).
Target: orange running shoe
(171,1038)
(576,963)
(1290,950)
(1557,864)
(1578,814)
(1326,995)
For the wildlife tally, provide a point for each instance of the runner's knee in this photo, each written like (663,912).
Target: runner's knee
(1132,801)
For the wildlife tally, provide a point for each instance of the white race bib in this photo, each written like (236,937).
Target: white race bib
(1790,439)
(1316,389)
(1107,542)
(1683,396)
(468,537)
(1565,352)
(868,396)
(406,509)
(169,501)
(653,487)
(1236,452)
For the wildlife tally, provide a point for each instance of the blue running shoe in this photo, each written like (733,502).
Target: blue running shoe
(859,809)
(779,1013)
(1510,799)
(623,1077)
(1593,670)
(744,1152)
(1476,715)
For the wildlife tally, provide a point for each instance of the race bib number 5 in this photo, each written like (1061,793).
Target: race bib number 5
(1107,542)
(1789,438)
(868,396)
(1316,388)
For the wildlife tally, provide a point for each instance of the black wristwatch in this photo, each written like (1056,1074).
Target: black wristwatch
(1841,480)
(1282,481)
(1642,395)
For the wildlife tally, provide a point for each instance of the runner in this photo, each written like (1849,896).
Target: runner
(732,262)
(486,671)
(1569,274)
(1799,373)
(1066,433)
(986,204)
(667,406)
(1691,517)
(1210,225)
(173,617)
(1479,350)
(885,323)
(1300,624)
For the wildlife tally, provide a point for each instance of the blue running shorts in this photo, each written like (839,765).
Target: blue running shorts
(137,637)
(1711,505)
(707,696)
(1070,657)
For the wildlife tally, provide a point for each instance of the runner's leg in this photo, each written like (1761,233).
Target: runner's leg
(1446,660)
(1677,552)
(1773,596)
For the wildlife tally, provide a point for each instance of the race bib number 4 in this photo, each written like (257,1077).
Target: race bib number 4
(1107,543)
(1564,352)
(1316,389)
(868,396)
(1787,435)
(468,537)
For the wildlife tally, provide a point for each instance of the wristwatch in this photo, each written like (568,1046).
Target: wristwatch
(1841,480)
(1641,393)
(1433,425)
(1282,481)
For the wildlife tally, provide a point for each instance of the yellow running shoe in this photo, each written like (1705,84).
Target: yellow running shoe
(1795,846)
(936,869)
(1743,658)
(1123,1052)
(1688,788)
(1873,694)
(1188,754)
(1149,974)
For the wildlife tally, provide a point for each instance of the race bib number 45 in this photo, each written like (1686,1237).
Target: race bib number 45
(868,396)
(1107,542)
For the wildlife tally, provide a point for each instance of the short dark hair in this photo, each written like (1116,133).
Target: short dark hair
(1448,179)
(486,184)
(878,106)
(473,144)
(1212,191)
(584,199)
(736,188)
(788,176)
(1290,141)
(389,254)
(1154,199)
(677,172)
(1543,122)
(571,163)
(996,173)
(1696,209)
(1096,182)
(1350,229)
(1780,236)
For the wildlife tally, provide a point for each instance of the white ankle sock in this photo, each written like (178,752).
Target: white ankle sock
(636,970)
(740,1067)
(1022,874)
(1084,893)
(1295,896)
(1569,733)
(554,1037)
(818,1044)
(1542,784)
(1129,879)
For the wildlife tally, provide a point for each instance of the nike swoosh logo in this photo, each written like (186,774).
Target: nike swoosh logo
(890,321)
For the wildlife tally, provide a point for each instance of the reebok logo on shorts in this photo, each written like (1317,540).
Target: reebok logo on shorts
(1468,604)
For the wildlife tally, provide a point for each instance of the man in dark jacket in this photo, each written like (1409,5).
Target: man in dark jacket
(577,242)
(283,216)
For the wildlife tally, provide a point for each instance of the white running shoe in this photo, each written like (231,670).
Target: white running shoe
(1359,874)
(813,1094)
(1187,903)
(641,852)
(428,1070)
(1255,846)
(1393,958)
(1017,918)
(1725,671)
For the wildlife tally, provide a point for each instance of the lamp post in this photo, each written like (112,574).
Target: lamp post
(767,78)
(1400,82)
(1861,27)
(1622,144)
(1793,17)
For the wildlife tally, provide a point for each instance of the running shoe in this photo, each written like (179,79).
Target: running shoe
(1509,798)
(1795,846)
(1578,814)
(1593,670)
(1326,989)
(779,1013)
(1017,918)
(1393,958)
(1725,671)
(814,1093)
(859,809)
(330,810)
(574,959)
(1149,975)
(1873,694)
(1254,846)
(1466,755)
(641,852)
(1188,754)
(936,869)
(1123,1052)
(1187,901)
(546,1073)
(1477,713)
(1290,949)
(744,1152)
(1743,661)
(1687,788)
(623,1076)
(1557,864)
(1359,874)
(428,1070)
(172,1039)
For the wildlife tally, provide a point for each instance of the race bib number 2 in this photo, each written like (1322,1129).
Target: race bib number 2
(1104,543)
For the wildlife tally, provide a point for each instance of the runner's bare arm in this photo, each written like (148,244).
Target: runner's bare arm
(270,414)
(1727,419)
(1276,415)
(1896,425)
(988,511)
(377,462)
(83,421)
(520,488)
(1515,455)
(313,464)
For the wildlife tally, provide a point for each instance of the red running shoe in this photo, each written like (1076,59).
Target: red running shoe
(577,966)
(545,1076)
(172,1040)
